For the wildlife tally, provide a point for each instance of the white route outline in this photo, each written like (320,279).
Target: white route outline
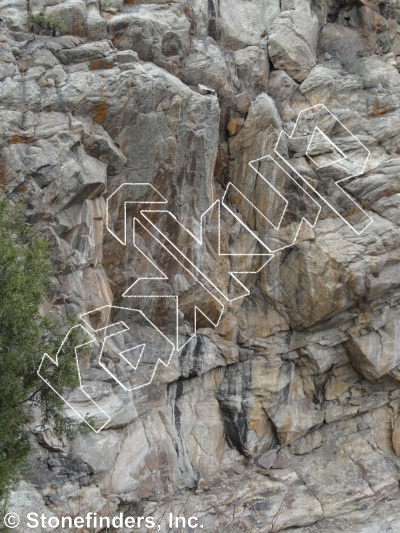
(126,328)
(251,164)
(270,254)
(292,136)
(344,156)
(196,309)
(201,242)
(162,201)
(55,362)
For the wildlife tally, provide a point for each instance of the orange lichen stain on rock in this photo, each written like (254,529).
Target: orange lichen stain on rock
(234,125)
(380,110)
(21,188)
(22,65)
(122,41)
(100,64)
(377,108)
(186,9)
(99,112)
(20,139)
(115,40)
(219,165)
(77,26)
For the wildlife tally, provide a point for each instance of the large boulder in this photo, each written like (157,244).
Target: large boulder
(72,13)
(342,43)
(244,23)
(252,69)
(234,25)
(293,41)
(207,64)
(374,350)
(158,33)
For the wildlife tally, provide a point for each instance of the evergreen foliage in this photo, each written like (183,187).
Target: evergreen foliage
(25,334)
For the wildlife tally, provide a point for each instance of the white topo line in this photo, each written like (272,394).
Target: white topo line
(269,254)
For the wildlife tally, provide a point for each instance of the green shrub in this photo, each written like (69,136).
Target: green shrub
(46,22)
(25,334)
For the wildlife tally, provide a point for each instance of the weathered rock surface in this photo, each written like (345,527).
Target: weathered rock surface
(292,41)
(285,415)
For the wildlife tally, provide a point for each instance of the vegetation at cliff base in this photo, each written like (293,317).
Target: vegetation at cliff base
(25,334)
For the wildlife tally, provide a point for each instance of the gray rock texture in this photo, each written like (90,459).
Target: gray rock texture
(284,415)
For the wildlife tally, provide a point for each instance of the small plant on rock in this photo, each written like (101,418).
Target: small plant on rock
(46,22)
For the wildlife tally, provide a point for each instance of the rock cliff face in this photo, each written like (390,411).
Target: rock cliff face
(282,413)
